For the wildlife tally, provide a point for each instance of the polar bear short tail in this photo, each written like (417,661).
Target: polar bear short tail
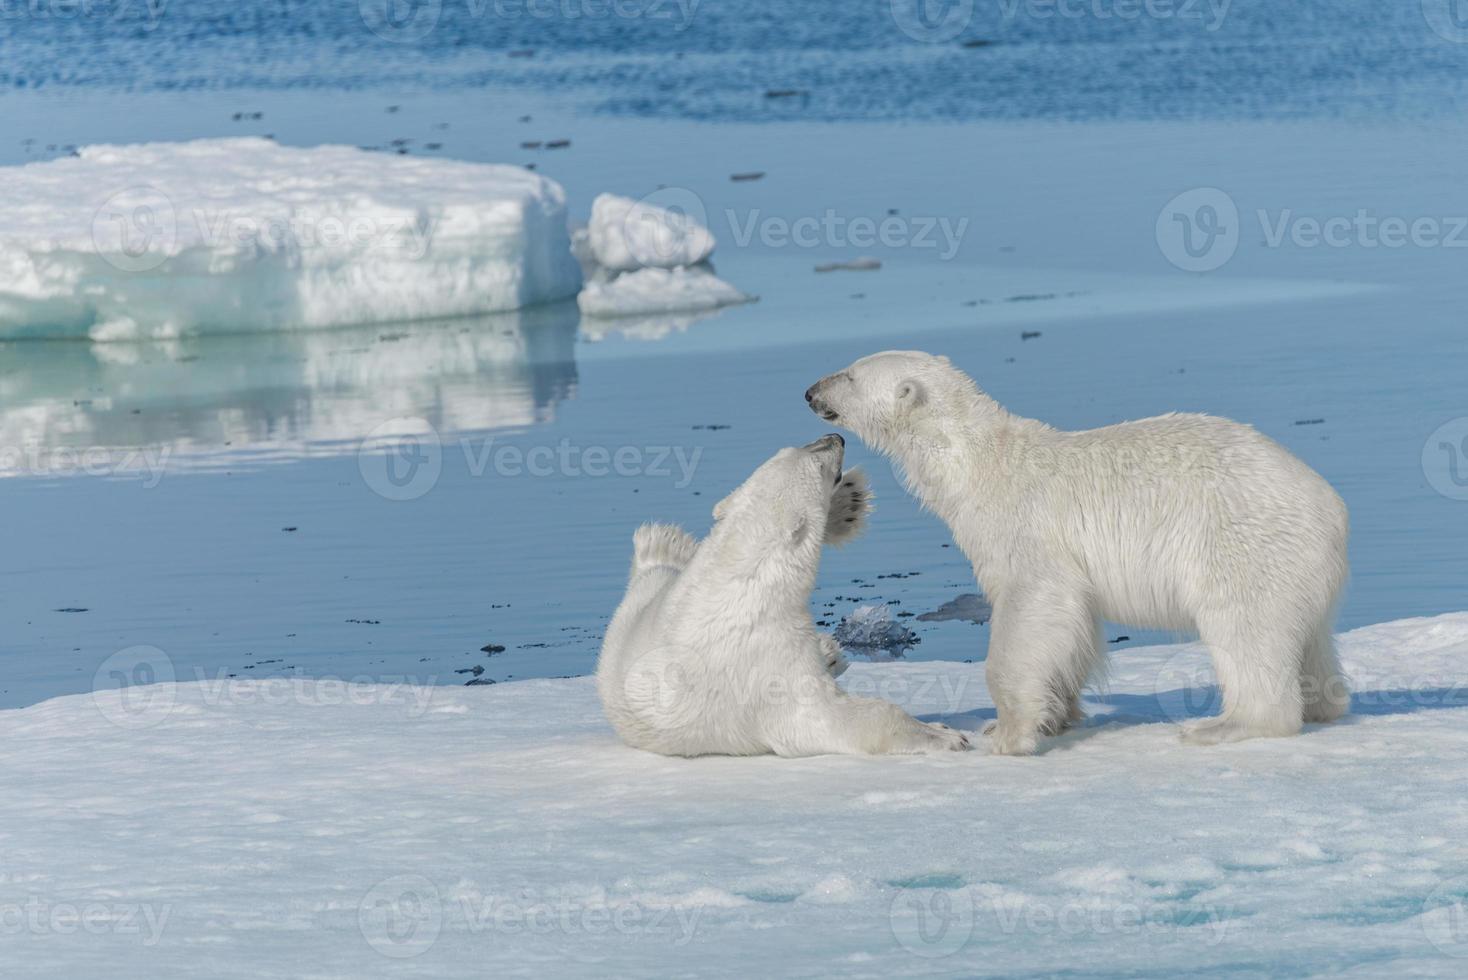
(661,546)
(850,503)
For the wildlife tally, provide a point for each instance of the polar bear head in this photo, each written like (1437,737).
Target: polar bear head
(887,396)
(772,527)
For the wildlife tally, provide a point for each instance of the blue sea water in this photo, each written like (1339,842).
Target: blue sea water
(756,60)
(261,544)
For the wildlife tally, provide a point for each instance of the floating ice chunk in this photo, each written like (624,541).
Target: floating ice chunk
(625,235)
(872,628)
(969,607)
(159,240)
(864,264)
(653,291)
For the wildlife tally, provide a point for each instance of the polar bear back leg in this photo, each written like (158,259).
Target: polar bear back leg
(1258,664)
(661,546)
(1324,693)
(834,723)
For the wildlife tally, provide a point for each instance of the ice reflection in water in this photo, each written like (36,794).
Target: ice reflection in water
(215,401)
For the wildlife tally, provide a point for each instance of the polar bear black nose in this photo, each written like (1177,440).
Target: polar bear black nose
(810,393)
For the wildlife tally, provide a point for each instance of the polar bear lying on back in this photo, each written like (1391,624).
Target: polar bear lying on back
(1180,522)
(713,651)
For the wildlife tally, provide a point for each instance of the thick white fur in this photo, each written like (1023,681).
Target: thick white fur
(1179,522)
(713,650)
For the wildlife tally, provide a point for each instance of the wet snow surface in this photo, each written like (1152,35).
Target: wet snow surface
(287,829)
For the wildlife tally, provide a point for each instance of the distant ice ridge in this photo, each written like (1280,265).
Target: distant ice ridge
(163,239)
(643,259)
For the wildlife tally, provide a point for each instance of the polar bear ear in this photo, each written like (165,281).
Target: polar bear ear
(911,393)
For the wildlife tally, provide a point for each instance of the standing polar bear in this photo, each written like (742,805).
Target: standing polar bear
(713,651)
(1179,522)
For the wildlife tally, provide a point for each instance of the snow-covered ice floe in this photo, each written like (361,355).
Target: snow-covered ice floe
(642,259)
(625,234)
(164,239)
(283,828)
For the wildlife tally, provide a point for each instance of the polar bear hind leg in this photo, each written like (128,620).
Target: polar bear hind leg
(840,724)
(1258,666)
(661,546)
(1323,688)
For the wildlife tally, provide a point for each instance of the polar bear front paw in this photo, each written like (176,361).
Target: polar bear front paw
(851,500)
(1010,739)
(945,739)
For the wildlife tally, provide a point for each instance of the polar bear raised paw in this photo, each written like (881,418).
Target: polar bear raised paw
(851,501)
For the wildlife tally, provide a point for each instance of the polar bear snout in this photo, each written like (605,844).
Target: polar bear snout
(831,440)
(815,398)
(833,447)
